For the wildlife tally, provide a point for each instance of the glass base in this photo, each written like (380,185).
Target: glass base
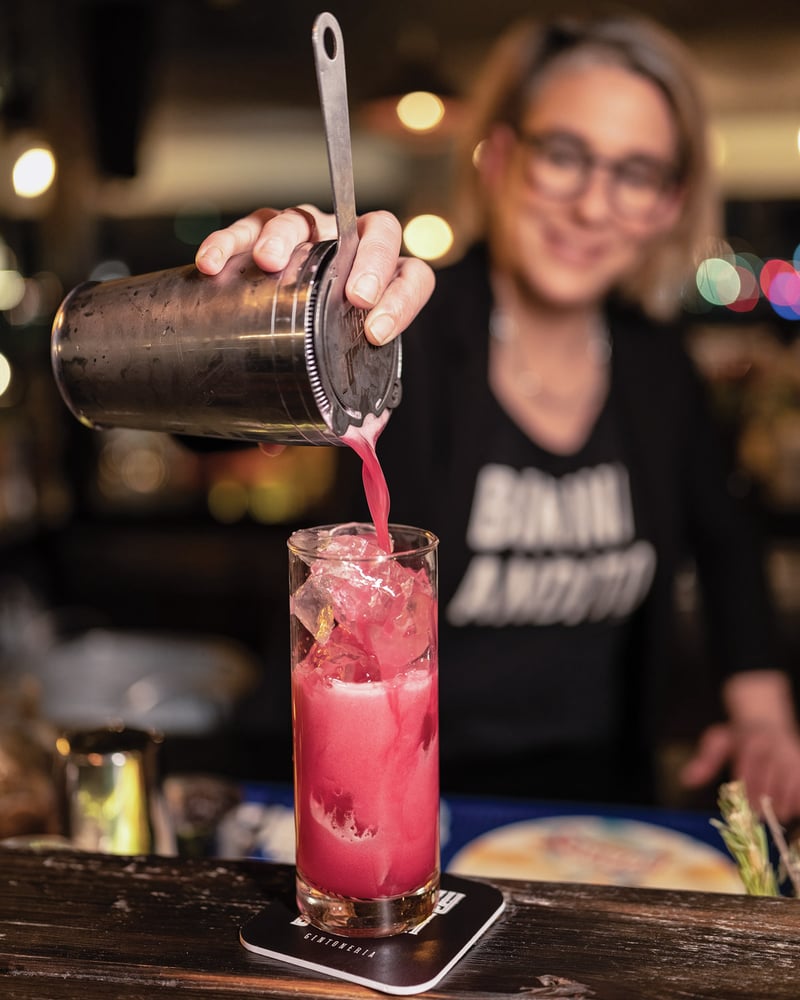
(366,918)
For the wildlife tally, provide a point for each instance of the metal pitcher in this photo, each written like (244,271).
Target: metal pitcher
(109,785)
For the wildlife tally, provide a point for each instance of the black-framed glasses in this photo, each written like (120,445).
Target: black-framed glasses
(560,165)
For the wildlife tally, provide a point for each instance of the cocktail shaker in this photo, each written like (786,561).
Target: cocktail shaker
(244,354)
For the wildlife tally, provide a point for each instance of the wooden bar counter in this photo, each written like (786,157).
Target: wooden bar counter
(87,926)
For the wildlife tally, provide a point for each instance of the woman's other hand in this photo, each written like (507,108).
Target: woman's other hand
(391,287)
(760,745)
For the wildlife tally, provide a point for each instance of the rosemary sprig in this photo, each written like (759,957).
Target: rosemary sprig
(746,839)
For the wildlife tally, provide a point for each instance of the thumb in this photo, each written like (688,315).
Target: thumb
(713,750)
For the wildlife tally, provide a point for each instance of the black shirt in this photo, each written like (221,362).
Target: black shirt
(538,684)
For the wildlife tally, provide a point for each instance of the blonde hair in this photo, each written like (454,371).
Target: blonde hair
(508,82)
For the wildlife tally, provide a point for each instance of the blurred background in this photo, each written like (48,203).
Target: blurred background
(131,128)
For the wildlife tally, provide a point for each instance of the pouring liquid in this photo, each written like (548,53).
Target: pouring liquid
(363,441)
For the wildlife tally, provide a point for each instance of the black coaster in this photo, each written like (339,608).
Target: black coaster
(406,963)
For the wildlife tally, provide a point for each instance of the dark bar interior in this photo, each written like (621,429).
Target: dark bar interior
(143,577)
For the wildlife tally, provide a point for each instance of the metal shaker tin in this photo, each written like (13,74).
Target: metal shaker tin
(245,354)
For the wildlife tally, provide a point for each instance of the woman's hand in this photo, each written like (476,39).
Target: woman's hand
(760,745)
(766,759)
(393,288)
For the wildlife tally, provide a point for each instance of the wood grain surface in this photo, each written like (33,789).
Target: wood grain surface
(88,926)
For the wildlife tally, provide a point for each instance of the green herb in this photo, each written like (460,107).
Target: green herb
(745,836)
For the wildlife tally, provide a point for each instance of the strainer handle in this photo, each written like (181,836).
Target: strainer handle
(326,39)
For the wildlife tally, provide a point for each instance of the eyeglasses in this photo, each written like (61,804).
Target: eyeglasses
(560,166)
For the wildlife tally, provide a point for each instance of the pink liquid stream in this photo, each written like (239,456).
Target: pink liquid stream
(363,441)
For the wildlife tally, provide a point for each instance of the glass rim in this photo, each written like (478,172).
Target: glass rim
(102,742)
(304,542)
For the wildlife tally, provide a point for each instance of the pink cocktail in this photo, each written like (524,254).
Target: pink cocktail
(366,732)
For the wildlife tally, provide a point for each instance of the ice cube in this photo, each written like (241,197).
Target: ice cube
(402,629)
(312,606)
(342,658)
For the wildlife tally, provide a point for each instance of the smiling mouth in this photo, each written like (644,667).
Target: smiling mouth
(572,251)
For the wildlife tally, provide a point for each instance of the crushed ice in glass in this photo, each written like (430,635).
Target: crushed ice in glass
(370,616)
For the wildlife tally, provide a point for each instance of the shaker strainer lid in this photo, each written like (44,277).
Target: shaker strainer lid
(350,377)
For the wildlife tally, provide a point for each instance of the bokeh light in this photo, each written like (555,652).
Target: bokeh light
(738,281)
(420,111)
(12,289)
(34,172)
(718,281)
(143,470)
(5,374)
(273,500)
(749,293)
(42,294)
(428,236)
(780,283)
(228,501)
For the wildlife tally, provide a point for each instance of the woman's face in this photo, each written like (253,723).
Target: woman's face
(585,186)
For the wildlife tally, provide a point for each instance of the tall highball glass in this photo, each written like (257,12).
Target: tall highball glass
(365,727)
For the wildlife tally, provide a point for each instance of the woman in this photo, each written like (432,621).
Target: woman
(554,434)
